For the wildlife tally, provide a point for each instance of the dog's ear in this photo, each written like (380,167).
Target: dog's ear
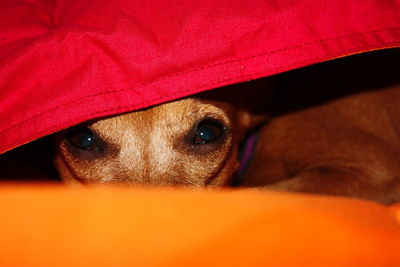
(248,121)
(254,100)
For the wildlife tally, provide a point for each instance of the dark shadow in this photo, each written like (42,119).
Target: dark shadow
(30,162)
(324,82)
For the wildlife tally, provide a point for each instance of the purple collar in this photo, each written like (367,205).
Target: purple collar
(245,156)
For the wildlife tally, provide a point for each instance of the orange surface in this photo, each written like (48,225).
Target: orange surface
(51,225)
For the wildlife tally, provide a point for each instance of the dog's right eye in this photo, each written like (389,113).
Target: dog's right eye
(208,131)
(85,139)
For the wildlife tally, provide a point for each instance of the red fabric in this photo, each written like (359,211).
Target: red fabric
(66,61)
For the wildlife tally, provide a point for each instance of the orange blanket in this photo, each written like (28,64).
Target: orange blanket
(56,226)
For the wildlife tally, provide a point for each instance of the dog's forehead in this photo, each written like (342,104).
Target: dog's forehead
(170,118)
(194,109)
(177,114)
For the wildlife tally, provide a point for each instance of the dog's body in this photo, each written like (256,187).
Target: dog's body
(350,146)
(343,145)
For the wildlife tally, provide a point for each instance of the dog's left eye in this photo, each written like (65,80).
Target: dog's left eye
(208,131)
(85,139)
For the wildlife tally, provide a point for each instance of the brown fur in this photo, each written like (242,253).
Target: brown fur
(345,142)
(148,147)
(349,147)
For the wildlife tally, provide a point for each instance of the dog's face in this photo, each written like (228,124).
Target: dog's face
(189,142)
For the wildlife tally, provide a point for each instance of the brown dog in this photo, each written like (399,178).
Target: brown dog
(193,141)
(331,129)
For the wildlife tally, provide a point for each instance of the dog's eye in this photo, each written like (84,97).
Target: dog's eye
(208,131)
(85,139)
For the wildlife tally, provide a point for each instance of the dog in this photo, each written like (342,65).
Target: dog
(190,142)
(333,128)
